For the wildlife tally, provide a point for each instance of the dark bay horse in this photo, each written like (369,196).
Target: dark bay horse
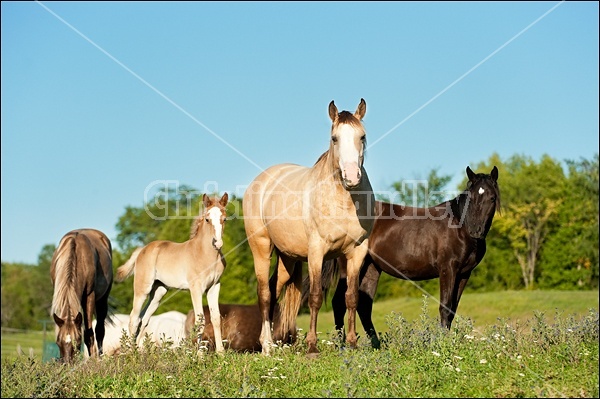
(311,214)
(196,265)
(82,276)
(241,326)
(446,241)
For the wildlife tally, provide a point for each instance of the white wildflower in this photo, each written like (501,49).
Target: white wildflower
(435,353)
(483,361)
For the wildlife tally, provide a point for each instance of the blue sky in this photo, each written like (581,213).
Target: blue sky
(102,99)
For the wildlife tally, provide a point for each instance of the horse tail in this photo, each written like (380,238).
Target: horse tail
(64,264)
(128,267)
(329,277)
(290,304)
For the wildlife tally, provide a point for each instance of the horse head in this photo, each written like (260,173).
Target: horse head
(483,199)
(215,216)
(69,336)
(348,142)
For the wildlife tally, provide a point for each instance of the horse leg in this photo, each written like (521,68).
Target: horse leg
(261,247)
(101,313)
(315,298)
(460,287)
(279,278)
(355,261)
(369,278)
(158,291)
(212,296)
(88,330)
(338,302)
(447,294)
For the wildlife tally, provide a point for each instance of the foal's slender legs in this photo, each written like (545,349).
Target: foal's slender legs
(157,293)
(212,297)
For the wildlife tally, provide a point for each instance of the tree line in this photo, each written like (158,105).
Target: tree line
(544,237)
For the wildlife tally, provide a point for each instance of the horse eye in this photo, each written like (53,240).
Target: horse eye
(334,139)
(363,138)
(493,199)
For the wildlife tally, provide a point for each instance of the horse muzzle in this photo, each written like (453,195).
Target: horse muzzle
(351,174)
(217,244)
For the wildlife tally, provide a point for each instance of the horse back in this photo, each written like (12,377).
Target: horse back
(94,259)
(414,243)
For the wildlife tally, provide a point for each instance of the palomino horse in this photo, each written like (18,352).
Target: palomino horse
(446,241)
(240,324)
(196,265)
(82,276)
(311,214)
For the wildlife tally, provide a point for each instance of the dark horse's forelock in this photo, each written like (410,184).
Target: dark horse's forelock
(489,181)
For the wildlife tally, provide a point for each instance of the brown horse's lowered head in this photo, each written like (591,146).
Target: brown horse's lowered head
(69,336)
(348,142)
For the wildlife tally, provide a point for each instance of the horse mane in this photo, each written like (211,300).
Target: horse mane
(65,296)
(198,220)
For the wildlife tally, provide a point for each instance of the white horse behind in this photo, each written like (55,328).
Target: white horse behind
(168,326)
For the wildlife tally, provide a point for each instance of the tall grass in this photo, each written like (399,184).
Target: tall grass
(548,355)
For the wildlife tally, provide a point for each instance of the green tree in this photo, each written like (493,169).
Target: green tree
(419,192)
(570,256)
(548,221)
(27,292)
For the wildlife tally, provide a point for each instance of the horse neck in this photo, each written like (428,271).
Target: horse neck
(457,205)
(326,171)
(203,237)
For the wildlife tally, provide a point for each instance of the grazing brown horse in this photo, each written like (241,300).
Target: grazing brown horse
(196,265)
(310,214)
(82,276)
(446,241)
(241,326)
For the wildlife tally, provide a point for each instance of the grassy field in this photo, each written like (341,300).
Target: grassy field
(556,357)
(482,308)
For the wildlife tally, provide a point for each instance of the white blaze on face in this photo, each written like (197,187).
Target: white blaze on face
(214,215)
(68,339)
(481,190)
(349,155)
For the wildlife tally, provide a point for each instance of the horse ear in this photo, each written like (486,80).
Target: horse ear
(470,173)
(333,112)
(205,200)
(78,319)
(224,199)
(59,322)
(361,110)
(494,173)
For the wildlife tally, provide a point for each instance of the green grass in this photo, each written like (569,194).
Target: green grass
(483,309)
(550,358)
(12,341)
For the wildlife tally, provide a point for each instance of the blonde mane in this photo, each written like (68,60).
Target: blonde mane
(65,297)
(198,220)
